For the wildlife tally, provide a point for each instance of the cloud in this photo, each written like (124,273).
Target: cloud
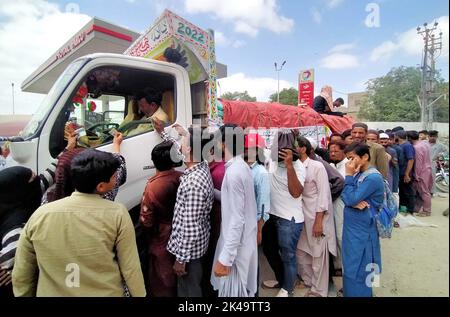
(259,87)
(317,16)
(340,61)
(30,31)
(384,50)
(222,40)
(248,17)
(331,4)
(342,47)
(410,43)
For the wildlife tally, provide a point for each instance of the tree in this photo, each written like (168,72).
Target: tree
(441,106)
(394,97)
(241,96)
(287,97)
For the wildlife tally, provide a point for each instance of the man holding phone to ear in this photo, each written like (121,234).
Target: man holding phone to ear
(282,231)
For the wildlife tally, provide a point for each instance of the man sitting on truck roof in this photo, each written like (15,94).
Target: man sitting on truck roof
(150,104)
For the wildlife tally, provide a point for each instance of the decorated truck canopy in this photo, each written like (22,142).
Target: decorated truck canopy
(275,115)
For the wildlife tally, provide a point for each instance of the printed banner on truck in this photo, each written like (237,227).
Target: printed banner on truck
(319,134)
(173,39)
(306,87)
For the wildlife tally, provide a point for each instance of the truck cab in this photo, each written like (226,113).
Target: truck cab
(111,81)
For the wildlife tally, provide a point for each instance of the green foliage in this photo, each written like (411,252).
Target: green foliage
(287,97)
(394,97)
(441,106)
(241,96)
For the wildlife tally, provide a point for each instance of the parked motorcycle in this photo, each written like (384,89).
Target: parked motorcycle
(442,174)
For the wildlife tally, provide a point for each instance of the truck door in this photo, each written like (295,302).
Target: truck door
(104,96)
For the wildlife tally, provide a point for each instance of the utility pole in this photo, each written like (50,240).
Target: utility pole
(432,46)
(278,70)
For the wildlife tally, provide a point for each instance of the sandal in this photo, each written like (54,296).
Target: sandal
(340,293)
(301,285)
(270,284)
(421,214)
(312,294)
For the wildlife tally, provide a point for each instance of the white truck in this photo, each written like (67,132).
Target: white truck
(110,82)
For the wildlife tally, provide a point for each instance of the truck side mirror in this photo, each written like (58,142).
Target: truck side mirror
(23,151)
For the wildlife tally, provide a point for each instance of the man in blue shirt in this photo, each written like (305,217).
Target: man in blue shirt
(407,196)
(254,145)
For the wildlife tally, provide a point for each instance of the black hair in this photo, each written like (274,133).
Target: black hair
(236,144)
(199,134)
(341,145)
(433,133)
(346,133)
(162,156)
(304,142)
(413,135)
(349,148)
(423,132)
(338,135)
(361,150)
(150,95)
(360,125)
(374,132)
(401,134)
(396,129)
(92,167)
(340,100)
(391,135)
(388,131)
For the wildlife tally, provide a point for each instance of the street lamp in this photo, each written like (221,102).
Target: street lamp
(12,86)
(278,76)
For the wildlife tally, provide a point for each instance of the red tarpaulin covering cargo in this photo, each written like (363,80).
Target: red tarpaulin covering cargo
(275,115)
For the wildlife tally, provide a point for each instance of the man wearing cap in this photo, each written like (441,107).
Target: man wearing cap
(378,156)
(393,162)
(254,145)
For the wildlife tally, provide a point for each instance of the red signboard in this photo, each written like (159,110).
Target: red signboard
(306,87)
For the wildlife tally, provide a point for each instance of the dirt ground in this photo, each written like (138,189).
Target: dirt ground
(415,260)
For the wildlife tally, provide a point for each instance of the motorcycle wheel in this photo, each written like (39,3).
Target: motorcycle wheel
(441,184)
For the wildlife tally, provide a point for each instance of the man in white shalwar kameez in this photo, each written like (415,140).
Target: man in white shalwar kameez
(318,237)
(236,258)
(338,161)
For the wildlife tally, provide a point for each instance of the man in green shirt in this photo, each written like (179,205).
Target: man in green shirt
(81,245)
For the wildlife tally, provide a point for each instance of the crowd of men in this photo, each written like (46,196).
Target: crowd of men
(309,208)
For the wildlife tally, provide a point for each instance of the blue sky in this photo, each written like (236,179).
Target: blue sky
(328,35)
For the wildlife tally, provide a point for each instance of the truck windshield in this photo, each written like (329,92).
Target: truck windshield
(49,101)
